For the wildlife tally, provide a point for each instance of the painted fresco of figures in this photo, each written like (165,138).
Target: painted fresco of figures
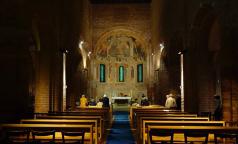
(120,45)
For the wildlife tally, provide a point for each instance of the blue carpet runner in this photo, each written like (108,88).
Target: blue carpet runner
(120,132)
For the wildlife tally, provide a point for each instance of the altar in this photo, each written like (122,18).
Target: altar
(121,100)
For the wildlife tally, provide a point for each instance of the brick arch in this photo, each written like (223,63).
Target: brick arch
(221,59)
(203,12)
(202,77)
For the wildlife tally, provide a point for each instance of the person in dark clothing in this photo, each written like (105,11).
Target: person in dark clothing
(92,103)
(218,108)
(178,102)
(105,101)
(144,101)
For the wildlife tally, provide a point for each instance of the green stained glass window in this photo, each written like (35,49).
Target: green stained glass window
(121,74)
(102,73)
(140,73)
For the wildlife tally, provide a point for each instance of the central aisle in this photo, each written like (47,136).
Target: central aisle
(120,132)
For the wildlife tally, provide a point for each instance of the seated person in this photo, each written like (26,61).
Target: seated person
(135,103)
(100,103)
(92,103)
(170,102)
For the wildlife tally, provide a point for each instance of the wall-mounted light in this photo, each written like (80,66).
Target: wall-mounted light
(89,53)
(161,45)
(81,44)
(182,51)
(84,54)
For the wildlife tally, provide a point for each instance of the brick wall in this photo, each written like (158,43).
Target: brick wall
(130,16)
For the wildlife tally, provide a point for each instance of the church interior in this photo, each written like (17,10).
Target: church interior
(57,54)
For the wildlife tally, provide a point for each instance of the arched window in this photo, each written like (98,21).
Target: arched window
(140,73)
(102,73)
(121,73)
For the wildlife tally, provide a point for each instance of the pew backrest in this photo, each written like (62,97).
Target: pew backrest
(98,118)
(200,129)
(138,117)
(147,123)
(136,114)
(50,127)
(96,127)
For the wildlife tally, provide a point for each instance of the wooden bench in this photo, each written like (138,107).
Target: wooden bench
(147,123)
(134,111)
(151,107)
(83,113)
(154,112)
(99,119)
(137,121)
(89,111)
(50,127)
(64,121)
(165,118)
(201,129)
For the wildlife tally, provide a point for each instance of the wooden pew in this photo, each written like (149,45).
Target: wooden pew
(103,113)
(56,127)
(154,112)
(64,121)
(166,118)
(147,123)
(151,107)
(134,111)
(137,121)
(99,119)
(89,111)
(206,129)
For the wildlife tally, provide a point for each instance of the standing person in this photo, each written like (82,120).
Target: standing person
(178,101)
(83,101)
(170,101)
(105,101)
(218,108)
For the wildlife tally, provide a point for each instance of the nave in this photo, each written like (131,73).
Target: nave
(54,52)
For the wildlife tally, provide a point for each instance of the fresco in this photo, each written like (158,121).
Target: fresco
(121,46)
